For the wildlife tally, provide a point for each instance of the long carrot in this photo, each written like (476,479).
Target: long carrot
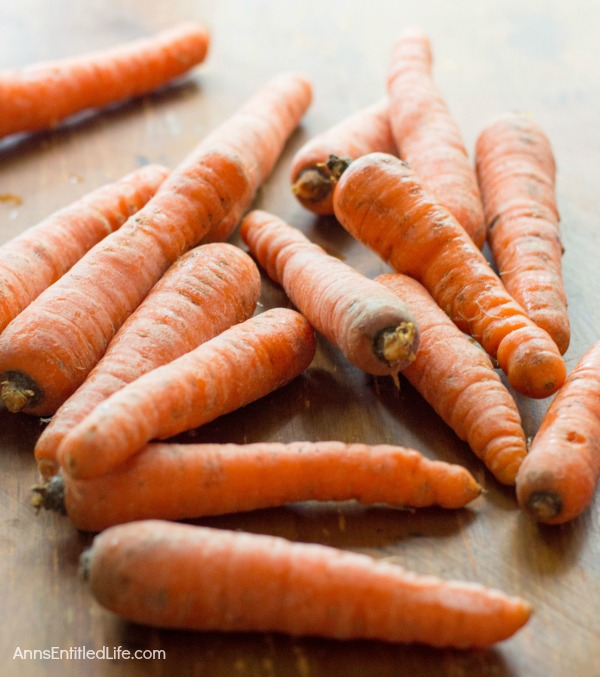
(558,479)
(52,346)
(316,164)
(426,134)
(171,575)
(516,171)
(373,327)
(203,293)
(382,203)
(41,95)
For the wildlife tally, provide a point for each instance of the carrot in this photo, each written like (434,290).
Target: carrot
(317,164)
(459,381)
(382,203)
(558,479)
(372,326)
(427,136)
(41,95)
(171,575)
(203,293)
(35,259)
(52,346)
(516,171)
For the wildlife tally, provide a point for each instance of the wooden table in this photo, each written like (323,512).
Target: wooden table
(517,55)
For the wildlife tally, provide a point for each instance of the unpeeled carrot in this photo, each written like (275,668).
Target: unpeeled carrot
(41,95)
(427,136)
(203,293)
(54,344)
(382,203)
(374,329)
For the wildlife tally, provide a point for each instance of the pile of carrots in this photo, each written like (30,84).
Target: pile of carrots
(127,318)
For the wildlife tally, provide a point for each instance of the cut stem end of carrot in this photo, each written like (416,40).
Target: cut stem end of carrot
(394,345)
(50,495)
(316,183)
(545,506)
(17,392)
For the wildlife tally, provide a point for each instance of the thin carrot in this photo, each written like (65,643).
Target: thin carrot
(558,479)
(203,293)
(52,346)
(35,259)
(459,381)
(427,136)
(41,95)
(316,165)
(372,326)
(171,575)
(516,171)
(382,203)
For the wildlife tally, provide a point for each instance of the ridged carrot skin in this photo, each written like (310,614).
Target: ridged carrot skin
(204,292)
(374,329)
(384,205)
(171,575)
(427,136)
(516,170)
(41,95)
(558,479)
(459,381)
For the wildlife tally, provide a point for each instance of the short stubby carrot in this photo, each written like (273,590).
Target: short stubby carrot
(316,166)
(35,259)
(558,479)
(516,171)
(240,365)
(41,95)
(427,136)
(458,379)
(374,329)
(207,290)
(384,205)
(171,575)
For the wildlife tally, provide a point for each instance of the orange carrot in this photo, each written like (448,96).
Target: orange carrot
(41,95)
(516,172)
(317,164)
(558,479)
(203,293)
(459,381)
(171,575)
(427,136)
(52,346)
(372,326)
(382,203)
(35,259)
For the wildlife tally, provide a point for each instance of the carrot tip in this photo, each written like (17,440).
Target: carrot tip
(544,505)
(50,495)
(394,345)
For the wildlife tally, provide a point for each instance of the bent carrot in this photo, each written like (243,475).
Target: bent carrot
(558,479)
(53,345)
(171,575)
(244,363)
(516,171)
(372,327)
(35,259)
(203,293)
(427,136)
(41,95)
(382,203)
(459,381)
(317,164)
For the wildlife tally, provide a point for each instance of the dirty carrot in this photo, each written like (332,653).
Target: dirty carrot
(371,325)
(35,259)
(317,164)
(383,204)
(203,293)
(458,379)
(52,345)
(516,172)
(41,95)
(558,479)
(427,136)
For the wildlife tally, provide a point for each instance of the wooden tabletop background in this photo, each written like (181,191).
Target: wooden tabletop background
(529,55)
